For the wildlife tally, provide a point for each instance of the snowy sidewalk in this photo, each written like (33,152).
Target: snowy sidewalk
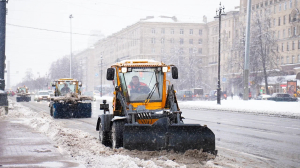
(22,147)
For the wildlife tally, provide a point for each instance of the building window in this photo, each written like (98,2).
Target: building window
(287,46)
(281,60)
(293,59)
(199,50)
(200,41)
(289,32)
(172,50)
(295,31)
(282,47)
(284,19)
(181,41)
(278,34)
(293,45)
(266,3)
(287,59)
(279,21)
(200,31)
(298,44)
(153,40)
(191,31)
(274,9)
(162,31)
(181,51)
(284,5)
(162,40)
(298,58)
(153,31)
(172,31)
(172,40)
(153,50)
(191,41)
(279,8)
(283,34)
(181,31)
(271,2)
(191,50)
(291,3)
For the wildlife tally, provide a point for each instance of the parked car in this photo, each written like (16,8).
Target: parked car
(51,93)
(96,92)
(185,95)
(282,97)
(262,97)
(90,94)
(43,95)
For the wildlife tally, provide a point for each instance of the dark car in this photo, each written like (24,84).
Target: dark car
(185,95)
(282,97)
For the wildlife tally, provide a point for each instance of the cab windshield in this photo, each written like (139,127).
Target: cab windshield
(142,83)
(66,87)
(22,90)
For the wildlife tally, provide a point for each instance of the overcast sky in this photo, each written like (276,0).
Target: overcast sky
(29,47)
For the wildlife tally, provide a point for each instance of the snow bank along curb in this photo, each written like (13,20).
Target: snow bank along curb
(261,107)
(87,149)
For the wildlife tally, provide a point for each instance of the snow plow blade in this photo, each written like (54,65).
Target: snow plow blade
(163,136)
(80,110)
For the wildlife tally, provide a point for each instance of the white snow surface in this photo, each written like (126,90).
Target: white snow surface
(90,152)
(266,107)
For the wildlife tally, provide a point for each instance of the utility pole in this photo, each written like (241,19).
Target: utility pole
(247,48)
(219,14)
(71,45)
(3,94)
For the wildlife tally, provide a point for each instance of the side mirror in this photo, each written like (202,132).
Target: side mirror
(110,74)
(174,72)
(79,84)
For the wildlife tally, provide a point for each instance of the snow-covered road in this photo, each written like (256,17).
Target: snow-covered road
(243,140)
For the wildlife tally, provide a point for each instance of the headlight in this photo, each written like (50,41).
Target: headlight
(124,69)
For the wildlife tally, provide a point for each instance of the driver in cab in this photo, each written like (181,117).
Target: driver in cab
(136,86)
(65,89)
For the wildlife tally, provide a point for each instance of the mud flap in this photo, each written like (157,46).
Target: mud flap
(163,136)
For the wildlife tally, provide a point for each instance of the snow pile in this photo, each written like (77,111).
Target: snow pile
(89,151)
(265,107)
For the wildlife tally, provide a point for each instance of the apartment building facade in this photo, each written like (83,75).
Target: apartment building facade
(193,46)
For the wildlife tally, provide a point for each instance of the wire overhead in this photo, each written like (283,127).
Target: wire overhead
(57,31)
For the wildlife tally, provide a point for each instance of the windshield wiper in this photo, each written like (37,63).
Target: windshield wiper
(153,89)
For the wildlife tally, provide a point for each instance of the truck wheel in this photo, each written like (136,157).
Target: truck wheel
(117,134)
(104,137)
(51,111)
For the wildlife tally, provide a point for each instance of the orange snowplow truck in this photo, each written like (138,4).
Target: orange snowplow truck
(145,114)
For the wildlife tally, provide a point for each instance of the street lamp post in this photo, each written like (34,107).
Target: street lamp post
(219,14)
(71,45)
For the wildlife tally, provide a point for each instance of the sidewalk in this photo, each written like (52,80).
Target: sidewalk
(20,146)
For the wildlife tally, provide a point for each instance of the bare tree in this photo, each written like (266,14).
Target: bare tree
(263,48)
(61,69)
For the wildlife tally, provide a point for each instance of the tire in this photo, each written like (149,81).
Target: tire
(51,111)
(117,134)
(104,137)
